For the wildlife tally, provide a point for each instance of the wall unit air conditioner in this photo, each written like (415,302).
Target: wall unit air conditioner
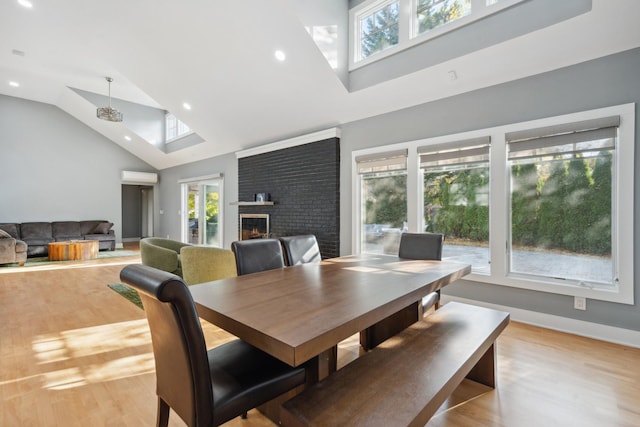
(133,177)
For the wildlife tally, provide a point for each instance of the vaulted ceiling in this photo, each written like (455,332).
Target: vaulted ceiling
(219,57)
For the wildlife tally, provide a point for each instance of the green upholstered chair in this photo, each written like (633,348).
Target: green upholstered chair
(163,254)
(204,264)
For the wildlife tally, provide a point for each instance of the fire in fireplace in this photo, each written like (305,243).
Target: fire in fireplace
(254,226)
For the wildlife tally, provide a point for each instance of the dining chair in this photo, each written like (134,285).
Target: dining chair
(257,255)
(426,246)
(302,249)
(204,387)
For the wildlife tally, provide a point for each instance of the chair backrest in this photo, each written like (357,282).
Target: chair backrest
(161,253)
(257,255)
(183,377)
(204,264)
(421,246)
(300,249)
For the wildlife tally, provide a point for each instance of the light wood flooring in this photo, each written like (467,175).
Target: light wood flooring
(75,353)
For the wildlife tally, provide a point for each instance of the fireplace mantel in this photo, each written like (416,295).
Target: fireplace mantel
(252,203)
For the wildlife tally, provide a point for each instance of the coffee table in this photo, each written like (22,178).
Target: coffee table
(73,250)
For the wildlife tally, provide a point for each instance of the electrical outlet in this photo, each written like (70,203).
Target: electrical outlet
(580,303)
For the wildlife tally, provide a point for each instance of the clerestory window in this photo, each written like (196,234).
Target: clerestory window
(382,27)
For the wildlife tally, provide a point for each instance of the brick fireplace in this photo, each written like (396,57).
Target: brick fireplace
(304,183)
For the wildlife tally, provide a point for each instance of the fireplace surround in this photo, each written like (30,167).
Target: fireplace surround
(254,226)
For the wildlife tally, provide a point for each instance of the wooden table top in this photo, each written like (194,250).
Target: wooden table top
(296,313)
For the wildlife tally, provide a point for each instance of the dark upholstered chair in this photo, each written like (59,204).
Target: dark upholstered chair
(205,388)
(257,255)
(426,246)
(300,249)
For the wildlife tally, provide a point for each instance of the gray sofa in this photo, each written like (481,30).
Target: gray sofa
(38,235)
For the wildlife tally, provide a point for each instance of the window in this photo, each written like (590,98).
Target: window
(456,198)
(384,200)
(431,14)
(545,205)
(175,128)
(562,186)
(381,27)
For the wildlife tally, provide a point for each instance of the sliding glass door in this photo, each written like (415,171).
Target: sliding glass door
(202,212)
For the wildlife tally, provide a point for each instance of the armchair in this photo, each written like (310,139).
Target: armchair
(204,264)
(12,250)
(163,254)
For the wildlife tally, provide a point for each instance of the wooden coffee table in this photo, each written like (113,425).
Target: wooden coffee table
(73,250)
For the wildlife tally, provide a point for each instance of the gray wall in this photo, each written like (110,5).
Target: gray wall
(600,83)
(506,24)
(53,167)
(169,195)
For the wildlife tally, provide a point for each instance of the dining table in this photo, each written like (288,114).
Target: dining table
(299,314)
(302,312)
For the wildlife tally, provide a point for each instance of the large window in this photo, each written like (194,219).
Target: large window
(456,198)
(562,187)
(545,205)
(384,200)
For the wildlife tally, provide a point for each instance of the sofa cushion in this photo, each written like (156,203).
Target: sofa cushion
(40,231)
(65,230)
(11,228)
(4,234)
(102,228)
(108,236)
(87,227)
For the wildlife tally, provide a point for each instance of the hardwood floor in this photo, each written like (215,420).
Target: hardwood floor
(75,353)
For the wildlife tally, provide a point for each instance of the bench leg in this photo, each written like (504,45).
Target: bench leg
(484,372)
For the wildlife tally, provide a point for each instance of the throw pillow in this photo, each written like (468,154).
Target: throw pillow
(102,228)
(4,234)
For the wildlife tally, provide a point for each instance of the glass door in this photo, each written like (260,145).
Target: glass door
(202,212)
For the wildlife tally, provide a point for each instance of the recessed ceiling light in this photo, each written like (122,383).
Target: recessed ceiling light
(25,3)
(127,137)
(186,106)
(280,55)
(14,84)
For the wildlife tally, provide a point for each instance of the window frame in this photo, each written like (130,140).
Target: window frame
(179,124)
(408,35)
(499,196)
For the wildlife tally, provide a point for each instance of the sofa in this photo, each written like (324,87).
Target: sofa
(38,235)
(12,250)
(161,253)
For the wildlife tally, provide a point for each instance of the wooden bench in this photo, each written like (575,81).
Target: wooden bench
(404,380)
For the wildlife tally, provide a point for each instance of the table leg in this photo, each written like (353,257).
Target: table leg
(392,325)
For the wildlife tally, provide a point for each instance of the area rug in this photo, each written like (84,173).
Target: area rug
(43,260)
(127,292)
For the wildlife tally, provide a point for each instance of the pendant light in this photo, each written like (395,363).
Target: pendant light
(108,113)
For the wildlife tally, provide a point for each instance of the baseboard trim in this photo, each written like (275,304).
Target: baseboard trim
(577,327)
